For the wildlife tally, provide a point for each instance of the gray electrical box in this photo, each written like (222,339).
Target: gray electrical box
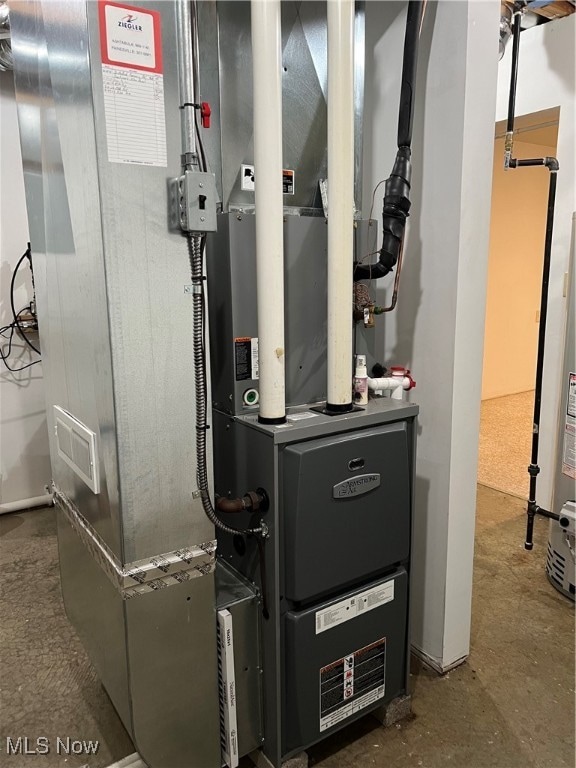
(197,201)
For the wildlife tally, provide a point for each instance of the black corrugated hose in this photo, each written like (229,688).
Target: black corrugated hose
(396,207)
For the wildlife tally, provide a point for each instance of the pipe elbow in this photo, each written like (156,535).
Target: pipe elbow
(228,506)
(252,501)
(552,164)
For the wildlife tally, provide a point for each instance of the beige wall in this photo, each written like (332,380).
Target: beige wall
(514,271)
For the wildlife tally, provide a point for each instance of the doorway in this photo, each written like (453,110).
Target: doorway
(517,231)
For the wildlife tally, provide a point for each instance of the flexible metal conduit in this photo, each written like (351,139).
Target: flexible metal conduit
(340,202)
(267,62)
(189,86)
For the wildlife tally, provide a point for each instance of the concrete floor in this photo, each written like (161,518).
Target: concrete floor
(510,706)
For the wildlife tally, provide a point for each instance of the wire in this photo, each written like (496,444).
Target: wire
(196,247)
(374,197)
(4,356)
(204,164)
(372,253)
(25,255)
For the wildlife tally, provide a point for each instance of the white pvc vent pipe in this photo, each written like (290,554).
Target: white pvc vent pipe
(267,63)
(340,201)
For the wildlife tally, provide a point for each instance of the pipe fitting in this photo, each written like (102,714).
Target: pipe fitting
(399,382)
(252,501)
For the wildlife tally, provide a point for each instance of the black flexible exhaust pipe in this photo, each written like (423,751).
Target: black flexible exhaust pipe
(551,163)
(396,207)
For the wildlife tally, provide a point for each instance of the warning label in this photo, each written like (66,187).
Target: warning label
(246,358)
(569,448)
(288,182)
(352,683)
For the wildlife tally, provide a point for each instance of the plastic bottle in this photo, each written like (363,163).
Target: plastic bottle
(361,381)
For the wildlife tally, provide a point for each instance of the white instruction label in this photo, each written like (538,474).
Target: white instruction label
(301,416)
(569,448)
(254,357)
(348,609)
(133,83)
(571,407)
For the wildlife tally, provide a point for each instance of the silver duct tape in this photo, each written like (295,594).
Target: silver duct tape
(141,576)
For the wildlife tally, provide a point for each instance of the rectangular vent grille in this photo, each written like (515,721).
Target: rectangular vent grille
(77,447)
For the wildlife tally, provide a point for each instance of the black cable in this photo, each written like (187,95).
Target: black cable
(204,164)
(396,205)
(4,356)
(263,578)
(409,64)
(25,255)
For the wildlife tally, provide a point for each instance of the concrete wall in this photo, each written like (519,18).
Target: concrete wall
(24,453)
(517,229)
(546,79)
(438,327)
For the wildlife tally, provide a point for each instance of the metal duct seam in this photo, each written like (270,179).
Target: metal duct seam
(141,576)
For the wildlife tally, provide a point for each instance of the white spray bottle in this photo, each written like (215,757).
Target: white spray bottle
(361,381)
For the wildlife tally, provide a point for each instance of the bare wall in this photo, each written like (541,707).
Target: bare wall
(438,327)
(24,452)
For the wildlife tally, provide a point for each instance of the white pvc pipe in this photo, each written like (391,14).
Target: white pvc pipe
(396,384)
(23,504)
(267,63)
(340,200)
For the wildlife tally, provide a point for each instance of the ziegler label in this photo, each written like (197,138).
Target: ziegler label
(356,486)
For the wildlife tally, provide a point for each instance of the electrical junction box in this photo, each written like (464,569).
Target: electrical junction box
(197,201)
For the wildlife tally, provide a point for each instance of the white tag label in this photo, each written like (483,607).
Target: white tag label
(301,416)
(254,357)
(135,120)
(348,609)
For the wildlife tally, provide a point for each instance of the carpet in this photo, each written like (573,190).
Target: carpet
(505,441)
